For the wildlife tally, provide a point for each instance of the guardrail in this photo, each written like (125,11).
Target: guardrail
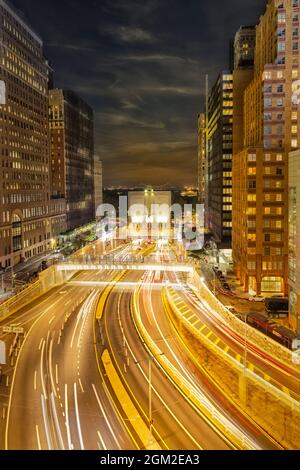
(19,300)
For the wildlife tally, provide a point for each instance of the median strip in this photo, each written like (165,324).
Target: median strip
(127,405)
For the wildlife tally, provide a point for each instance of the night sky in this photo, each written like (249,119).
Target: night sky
(141,65)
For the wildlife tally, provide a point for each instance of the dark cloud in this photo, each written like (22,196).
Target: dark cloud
(141,64)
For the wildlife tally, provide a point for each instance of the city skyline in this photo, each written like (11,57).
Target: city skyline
(141,66)
(164,316)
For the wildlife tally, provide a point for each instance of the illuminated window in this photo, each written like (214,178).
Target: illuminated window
(294,116)
(267,75)
(251,265)
(294,143)
(251,211)
(294,129)
(279,157)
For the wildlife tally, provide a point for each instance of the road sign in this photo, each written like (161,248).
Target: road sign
(7,329)
(18,330)
(2,353)
(13,329)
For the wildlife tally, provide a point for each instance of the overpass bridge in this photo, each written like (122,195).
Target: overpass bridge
(130,263)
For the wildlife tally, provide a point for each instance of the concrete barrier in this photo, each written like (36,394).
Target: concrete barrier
(275,412)
(48,279)
(254,336)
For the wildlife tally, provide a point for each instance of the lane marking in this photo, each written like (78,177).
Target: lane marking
(46,422)
(67,419)
(102,442)
(34,380)
(56,373)
(78,418)
(38,437)
(105,416)
(82,389)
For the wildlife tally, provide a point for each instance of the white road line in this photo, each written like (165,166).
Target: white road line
(34,380)
(102,442)
(75,328)
(42,370)
(78,418)
(50,369)
(51,320)
(40,345)
(67,418)
(86,311)
(82,389)
(46,423)
(56,373)
(38,437)
(58,430)
(105,416)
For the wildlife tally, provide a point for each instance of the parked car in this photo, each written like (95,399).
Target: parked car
(257,298)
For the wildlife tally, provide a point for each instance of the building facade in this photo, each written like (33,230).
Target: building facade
(72,156)
(219,159)
(149,214)
(260,170)
(202,165)
(25,225)
(244,50)
(294,240)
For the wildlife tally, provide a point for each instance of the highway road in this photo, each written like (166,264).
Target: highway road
(57,400)
(161,331)
(84,384)
(175,424)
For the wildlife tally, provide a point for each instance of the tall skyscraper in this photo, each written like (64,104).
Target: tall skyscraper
(219,159)
(244,47)
(201,157)
(72,155)
(25,222)
(294,239)
(260,170)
